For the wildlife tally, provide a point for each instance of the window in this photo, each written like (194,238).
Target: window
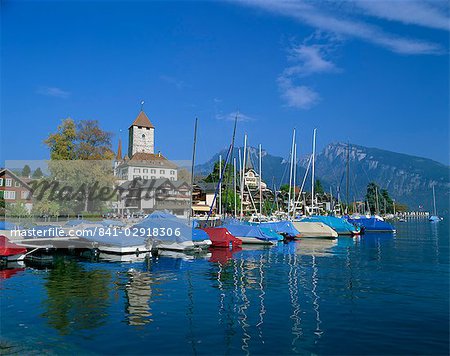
(137,170)
(145,170)
(143,135)
(172,173)
(153,177)
(136,177)
(172,178)
(1,182)
(153,171)
(10,194)
(162,171)
(16,184)
(8,182)
(24,194)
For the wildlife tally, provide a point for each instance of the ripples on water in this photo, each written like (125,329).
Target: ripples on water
(379,294)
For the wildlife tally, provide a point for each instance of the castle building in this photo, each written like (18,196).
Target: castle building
(141,160)
(148,181)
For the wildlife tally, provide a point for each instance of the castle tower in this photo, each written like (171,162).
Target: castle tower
(141,135)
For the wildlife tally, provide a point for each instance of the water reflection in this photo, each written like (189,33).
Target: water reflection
(77,298)
(315,247)
(290,298)
(138,293)
(10,270)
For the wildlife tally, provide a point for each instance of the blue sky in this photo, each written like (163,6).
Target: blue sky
(372,73)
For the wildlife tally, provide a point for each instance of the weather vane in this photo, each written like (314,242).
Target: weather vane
(142,105)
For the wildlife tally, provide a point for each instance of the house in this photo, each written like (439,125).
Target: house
(202,197)
(14,189)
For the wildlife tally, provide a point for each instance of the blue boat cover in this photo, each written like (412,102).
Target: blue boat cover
(282,227)
(76,222)
(199,235)
(164,227)
(245,230)
(6,225)
(113,223)
(371,224)
(340,225)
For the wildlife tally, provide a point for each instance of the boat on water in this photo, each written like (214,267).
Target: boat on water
(251,234)
(200,238)
(340,225)
(434,217)
(371,223)
(164,231)
(221,237)
(284,228)
(314,229)
(10,251)
(118,243)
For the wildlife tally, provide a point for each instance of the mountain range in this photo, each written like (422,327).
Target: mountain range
(409,179)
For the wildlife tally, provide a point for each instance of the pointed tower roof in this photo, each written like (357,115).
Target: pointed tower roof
(119,151)
(142,120)
(248,161)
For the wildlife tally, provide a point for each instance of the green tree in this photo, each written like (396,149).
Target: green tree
(37,174)
(17,210)
(228,201)
(371,196)
(89,150)
(92,143)
(26,171)
(84,140)
(215,174)
(318,189)
(386,202)
(62,143)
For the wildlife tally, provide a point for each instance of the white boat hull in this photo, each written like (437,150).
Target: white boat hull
(254,241)
(314,229)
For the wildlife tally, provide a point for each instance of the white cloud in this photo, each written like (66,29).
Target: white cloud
(410,12)
(337,17)
(297,96)
(307,59)
(232,116)
(53,91)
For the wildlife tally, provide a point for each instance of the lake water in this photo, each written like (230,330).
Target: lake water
(378,294)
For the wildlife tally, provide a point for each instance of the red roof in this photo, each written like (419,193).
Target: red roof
(143,121)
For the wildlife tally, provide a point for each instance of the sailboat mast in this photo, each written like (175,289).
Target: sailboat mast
(234,186)
(377,203)
(220,186)
(260,180)
(192,168)
(290,172)
(434,203)
(347,179)
(243,175)
(313,171)
(294,179)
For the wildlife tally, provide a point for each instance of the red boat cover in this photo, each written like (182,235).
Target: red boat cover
(8,248)
(221,237)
